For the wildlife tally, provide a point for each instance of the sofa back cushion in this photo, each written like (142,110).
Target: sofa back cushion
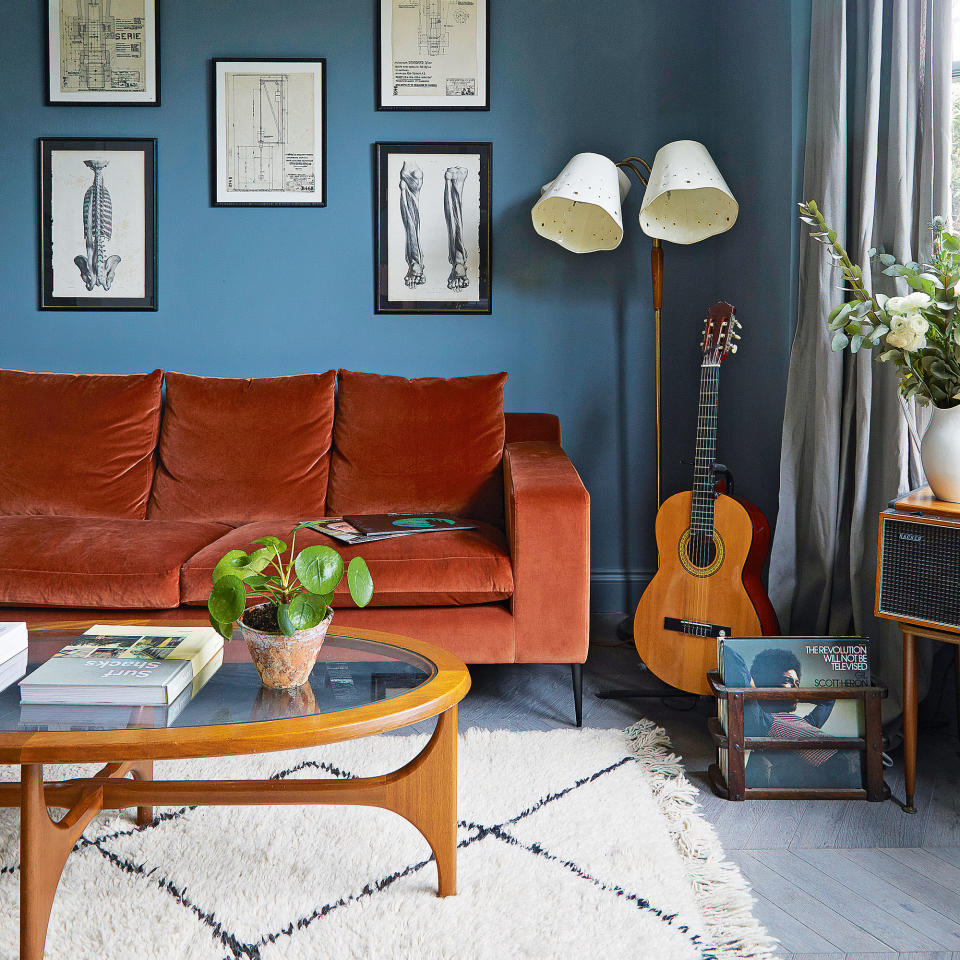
(418,446)
(77,445)
(241,450)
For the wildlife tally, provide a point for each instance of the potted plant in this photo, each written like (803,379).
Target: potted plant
(284,632)
(919,333)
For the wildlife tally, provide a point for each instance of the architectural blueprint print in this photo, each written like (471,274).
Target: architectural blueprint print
(433,240)
(103,45)
(269,132)
(434,51)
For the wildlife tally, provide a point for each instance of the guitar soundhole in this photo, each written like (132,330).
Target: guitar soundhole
(701,550)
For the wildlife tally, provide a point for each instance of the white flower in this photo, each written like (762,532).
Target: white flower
(908,304)
(903,336)
(917,322)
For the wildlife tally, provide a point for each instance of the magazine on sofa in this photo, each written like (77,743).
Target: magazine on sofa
(358,528)
(131,666)
(795,663)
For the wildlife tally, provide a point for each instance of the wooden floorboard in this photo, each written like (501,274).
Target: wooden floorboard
(899,868)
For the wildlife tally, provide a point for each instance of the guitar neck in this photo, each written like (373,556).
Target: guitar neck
(701,510)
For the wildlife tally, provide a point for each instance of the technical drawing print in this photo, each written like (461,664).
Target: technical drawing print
(433,52)
(269,122)
(102,46)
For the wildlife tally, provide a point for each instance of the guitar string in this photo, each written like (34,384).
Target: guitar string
(702,514)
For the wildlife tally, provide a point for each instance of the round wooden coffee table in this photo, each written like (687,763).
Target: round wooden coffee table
(364,683)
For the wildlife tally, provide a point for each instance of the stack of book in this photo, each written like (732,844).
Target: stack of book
(795,664)
(114,676)
(13,652)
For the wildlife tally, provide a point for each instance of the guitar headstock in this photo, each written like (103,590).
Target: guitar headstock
(720,332)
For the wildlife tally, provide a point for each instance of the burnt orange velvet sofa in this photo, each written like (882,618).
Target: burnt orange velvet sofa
(117,497)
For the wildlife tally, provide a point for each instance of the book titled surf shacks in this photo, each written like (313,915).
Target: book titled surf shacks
(124,666)
(13,652)
(795,664)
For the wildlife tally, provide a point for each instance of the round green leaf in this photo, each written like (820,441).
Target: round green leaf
(228,564)
(319,568)
(306,610)
(283,620)
(227,599)
(224,629)
(359,581)
(274,543)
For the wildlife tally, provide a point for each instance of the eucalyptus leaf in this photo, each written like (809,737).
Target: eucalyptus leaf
(855,343)
(359,581)
(888,355)
(227,599)
(319,568)
(887,259)
(840,341)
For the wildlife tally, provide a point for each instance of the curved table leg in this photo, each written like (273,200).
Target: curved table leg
(425,793)
(44,848)
(909,718)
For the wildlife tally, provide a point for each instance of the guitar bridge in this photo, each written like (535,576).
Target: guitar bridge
(696,628)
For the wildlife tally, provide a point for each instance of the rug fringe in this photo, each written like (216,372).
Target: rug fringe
(722,894)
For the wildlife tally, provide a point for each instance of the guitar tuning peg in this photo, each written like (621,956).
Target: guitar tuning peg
(733,348)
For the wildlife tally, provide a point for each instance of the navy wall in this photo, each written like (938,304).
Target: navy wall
(252,292)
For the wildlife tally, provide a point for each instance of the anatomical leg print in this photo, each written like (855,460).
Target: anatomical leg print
(453,181)
(411,180)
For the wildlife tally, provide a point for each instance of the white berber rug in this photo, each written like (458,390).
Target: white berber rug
(573,844)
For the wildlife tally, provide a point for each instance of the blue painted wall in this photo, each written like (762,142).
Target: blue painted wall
(253,292)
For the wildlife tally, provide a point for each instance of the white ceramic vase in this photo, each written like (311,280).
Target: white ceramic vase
(940,453)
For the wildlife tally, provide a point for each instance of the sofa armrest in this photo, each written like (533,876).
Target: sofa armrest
(548,528)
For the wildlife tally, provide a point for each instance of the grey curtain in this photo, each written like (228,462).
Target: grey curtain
(877,161)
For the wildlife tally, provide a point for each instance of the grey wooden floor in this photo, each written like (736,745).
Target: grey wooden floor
(832,879)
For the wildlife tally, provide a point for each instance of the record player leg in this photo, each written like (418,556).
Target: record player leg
(909,718)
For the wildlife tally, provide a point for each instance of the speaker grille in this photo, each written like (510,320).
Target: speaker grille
(920,572)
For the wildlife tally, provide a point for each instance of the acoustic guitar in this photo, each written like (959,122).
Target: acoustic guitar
(711,550)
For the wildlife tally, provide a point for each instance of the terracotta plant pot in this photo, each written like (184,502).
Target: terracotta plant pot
(285,662)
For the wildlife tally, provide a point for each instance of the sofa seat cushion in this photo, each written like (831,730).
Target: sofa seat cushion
(77,445)
(242,450)
(98,563)
(418,446)
(429,569)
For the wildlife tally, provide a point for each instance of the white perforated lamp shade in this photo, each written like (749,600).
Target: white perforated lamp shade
(687,199)
(580,210)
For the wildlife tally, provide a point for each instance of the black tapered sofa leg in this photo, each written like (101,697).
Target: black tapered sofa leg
(576,669)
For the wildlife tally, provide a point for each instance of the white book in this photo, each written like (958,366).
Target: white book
(13,638)
(126,665)
(13,669)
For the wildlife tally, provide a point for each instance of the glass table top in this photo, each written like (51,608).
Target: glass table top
(350,672)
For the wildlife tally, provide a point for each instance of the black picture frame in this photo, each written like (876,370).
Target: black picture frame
(378,56)
(218,165)
(46,147)
(384,212)
(106,97)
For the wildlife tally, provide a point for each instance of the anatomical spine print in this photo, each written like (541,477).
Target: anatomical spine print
(96,268)
(98,224)
(433,231)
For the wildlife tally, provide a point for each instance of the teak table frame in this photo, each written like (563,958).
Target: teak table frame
(424,791)
(737,744)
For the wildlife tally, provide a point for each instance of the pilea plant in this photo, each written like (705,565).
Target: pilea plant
(301,590)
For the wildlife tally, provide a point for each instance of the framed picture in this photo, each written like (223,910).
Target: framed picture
(270,136)
(432,236)
(103,51)
(433,54)
(98,224)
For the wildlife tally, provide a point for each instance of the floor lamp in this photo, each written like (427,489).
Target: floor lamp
(686,200)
